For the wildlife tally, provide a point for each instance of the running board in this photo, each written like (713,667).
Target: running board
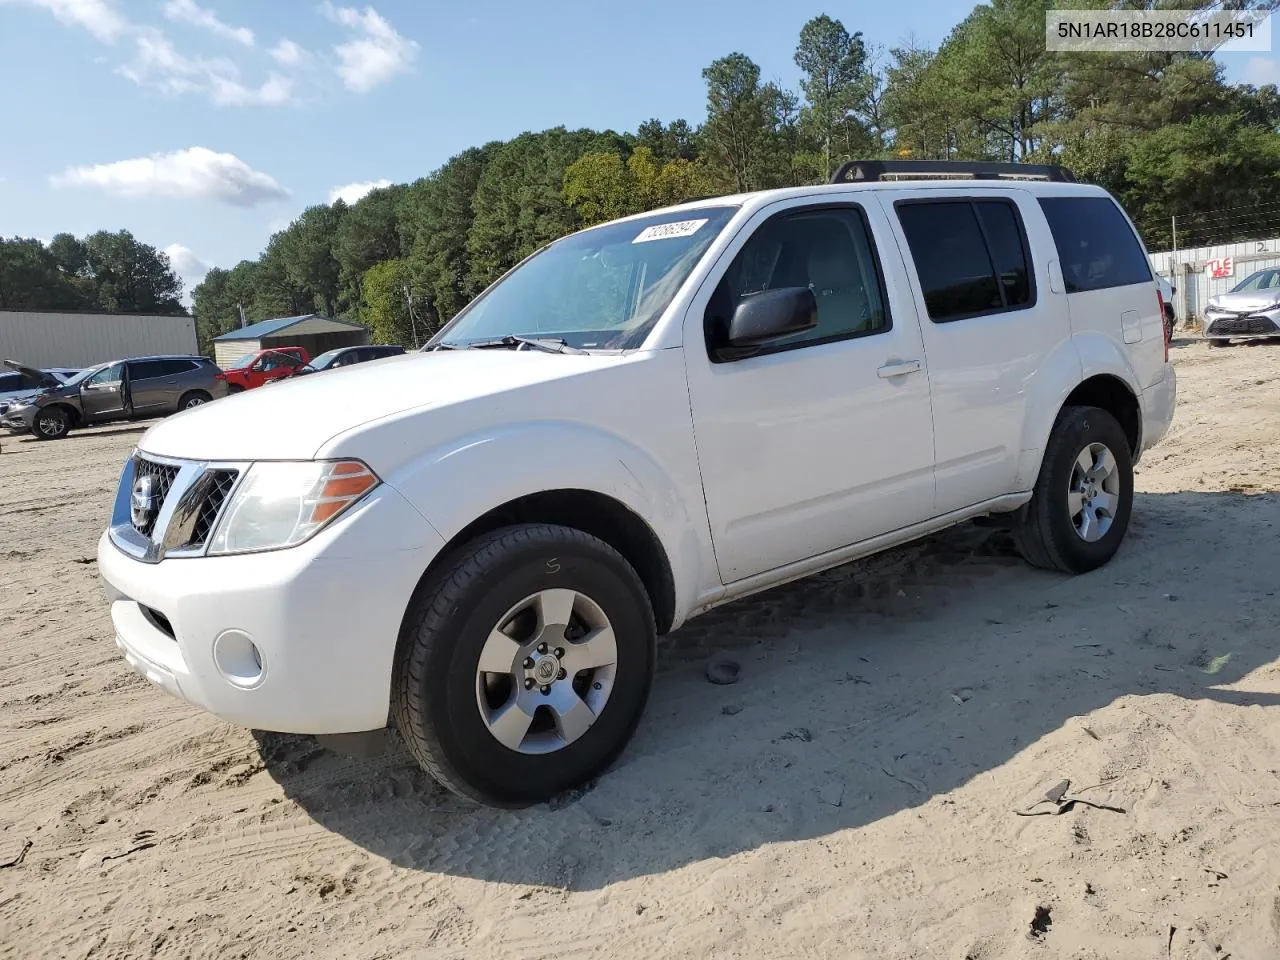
(835,558)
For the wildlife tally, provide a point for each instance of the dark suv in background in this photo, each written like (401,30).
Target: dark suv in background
(132,389)
(346,356)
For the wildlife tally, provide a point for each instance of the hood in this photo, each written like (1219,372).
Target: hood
(296,416)
(1246,300)
(41,377)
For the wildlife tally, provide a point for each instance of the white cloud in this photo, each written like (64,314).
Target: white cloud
(288,53)
(350,193)
(1260,71)
(187,266)
(157,64)
(375,55)
(187,11)
(99,17)
(194,173)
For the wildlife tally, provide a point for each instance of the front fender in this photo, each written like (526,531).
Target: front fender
(468,476)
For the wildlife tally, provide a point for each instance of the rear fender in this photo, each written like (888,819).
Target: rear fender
(1087,354)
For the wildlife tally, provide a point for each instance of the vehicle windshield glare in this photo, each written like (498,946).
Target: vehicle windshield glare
(603,288)
(84,375)
(326,358)
(1262,280)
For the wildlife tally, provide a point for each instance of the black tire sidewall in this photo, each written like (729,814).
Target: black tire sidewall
(466,746)
(1085,426)
(184,402)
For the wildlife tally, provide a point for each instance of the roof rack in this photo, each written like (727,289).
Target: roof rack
(868,171)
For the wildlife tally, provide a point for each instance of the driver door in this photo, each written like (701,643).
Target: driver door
(824,439)
(102,396)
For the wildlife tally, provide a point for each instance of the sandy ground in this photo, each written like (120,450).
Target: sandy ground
(853,797)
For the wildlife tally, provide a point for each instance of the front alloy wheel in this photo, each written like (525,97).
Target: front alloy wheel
(546,671)
(524,664)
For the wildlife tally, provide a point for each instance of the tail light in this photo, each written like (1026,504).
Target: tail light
(220,376)
(1165,332)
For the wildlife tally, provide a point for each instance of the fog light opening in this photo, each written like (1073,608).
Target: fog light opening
(238,659)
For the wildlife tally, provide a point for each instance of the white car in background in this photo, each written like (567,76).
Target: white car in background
(640,422)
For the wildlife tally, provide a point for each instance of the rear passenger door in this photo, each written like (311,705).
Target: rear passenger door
(988,324)
(147,385)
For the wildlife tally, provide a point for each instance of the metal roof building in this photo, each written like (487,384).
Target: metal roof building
(313,332)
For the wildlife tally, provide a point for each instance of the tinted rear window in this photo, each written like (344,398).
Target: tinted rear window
(951,259)
(1096,246)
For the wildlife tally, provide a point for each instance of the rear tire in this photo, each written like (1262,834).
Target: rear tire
(1079,511)
(1219,343)
(51,424)
(483,705)
(193,399)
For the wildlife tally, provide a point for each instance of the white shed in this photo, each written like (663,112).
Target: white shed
(313,332)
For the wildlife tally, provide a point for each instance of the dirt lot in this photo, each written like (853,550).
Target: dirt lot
(854,796)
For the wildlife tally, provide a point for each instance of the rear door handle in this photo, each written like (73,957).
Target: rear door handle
(898,368)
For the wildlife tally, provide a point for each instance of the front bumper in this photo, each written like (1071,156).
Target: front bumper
(1221,325)
(19,419)
(300,640)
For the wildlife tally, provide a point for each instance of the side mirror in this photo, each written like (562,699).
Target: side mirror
(771,315)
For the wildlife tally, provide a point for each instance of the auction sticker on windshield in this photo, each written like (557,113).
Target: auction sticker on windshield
(668,231)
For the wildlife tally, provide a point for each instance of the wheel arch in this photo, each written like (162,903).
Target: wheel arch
(594,513)
(69,409)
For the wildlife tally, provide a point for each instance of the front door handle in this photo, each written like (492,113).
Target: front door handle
(898,368)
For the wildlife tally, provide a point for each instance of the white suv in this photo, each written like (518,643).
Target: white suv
(639,422)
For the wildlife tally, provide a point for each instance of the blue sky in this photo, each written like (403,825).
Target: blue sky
(204,125)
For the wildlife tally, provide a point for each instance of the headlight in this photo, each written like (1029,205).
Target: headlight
(282,504)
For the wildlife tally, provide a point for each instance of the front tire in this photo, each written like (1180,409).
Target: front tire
(1219,342)
(1079,511)
(524,664)
(51,424)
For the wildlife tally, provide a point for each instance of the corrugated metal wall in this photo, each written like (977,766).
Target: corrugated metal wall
(1185,270)
(228,352)
(83,339)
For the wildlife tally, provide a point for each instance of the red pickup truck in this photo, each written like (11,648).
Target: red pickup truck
(255,369)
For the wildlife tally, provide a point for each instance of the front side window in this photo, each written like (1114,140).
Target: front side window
(970,256)
(604,288)
(828,250)
(1096,246)
(245,361)
(107,375)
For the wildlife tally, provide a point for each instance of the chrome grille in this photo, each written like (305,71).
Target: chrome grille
(221,482)
(162,476)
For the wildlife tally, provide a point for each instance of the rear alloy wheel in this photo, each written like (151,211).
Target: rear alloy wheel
(51,424)
(525,662)
(1079,511)
(196,398)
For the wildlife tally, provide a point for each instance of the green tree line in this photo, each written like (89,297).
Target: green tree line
(101,273)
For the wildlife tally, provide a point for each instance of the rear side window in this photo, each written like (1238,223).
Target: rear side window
(146,369)
(1096,246)
(171,368)
(970,255)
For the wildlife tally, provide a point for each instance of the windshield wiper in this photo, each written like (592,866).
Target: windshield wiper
(445,345)
(549,344)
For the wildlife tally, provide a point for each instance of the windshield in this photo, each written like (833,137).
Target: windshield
(243,362)
(603,288)
(1262,280)
(84,375)
(326,358)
